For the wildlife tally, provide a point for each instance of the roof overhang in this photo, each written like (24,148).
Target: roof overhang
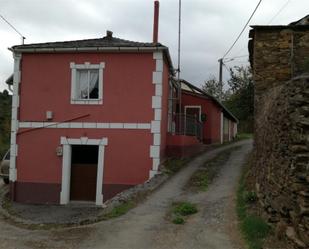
(280,27)
(99,49)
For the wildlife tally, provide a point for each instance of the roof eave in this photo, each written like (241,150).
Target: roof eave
(85,49)
(98,49)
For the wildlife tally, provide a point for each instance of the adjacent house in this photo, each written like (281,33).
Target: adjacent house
(218,123)
(91,118)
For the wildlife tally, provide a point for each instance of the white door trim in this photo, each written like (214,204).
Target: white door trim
(66,166)
(194,107)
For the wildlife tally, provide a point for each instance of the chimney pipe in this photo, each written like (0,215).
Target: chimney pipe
(155,22)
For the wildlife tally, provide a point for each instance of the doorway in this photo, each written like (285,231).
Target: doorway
(84,167)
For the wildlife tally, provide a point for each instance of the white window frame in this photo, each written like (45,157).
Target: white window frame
(86,66)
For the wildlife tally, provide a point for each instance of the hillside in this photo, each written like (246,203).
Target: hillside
(5,121)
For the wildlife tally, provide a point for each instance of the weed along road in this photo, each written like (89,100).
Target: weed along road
(186,212)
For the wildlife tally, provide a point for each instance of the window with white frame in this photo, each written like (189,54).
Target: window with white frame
(87,83)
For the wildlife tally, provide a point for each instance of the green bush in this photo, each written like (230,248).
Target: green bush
(185,208)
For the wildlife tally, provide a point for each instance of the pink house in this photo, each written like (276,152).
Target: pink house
(91,118)
(218,123)
(201,119)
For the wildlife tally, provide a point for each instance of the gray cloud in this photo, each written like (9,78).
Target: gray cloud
(208,27)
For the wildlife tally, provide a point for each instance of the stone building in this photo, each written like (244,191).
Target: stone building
(279,57)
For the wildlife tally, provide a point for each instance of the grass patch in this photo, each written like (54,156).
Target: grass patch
(180,211)
(119,210)
(242,136)
(184,209)
(253,228)
(173,165)
(178,220)
(200,180)
(202,177)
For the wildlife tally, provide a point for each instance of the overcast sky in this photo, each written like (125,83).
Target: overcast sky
(209,27)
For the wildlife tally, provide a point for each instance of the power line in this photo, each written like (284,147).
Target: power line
(257,6)
(235,57)
(11,25)
(280,10)
(227,68)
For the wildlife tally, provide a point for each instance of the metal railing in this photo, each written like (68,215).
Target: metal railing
(188,125)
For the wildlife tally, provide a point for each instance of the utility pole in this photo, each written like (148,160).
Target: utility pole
(220,70)
(178,69)
(220,74)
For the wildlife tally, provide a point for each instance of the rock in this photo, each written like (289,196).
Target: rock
(290,233)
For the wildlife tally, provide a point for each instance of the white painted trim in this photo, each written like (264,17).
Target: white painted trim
(159,90)
(158,114)
(157,79)
(86,66)
(156,102)
(155,151)
(194,107)
(156,126)
(85,125)
(14,118)
(157,139)
(66,166)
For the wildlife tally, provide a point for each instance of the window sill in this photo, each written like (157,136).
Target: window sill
(87,102)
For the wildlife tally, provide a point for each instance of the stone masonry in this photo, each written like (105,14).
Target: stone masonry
(279,57)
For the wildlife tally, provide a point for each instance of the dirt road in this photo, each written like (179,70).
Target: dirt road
(146,227)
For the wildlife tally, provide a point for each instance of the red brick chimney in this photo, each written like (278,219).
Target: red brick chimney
(155,22)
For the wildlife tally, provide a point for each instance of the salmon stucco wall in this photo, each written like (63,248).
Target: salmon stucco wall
(127,104)
(126,162)
(127,87)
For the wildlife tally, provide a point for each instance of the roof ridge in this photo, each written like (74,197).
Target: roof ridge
(105,41)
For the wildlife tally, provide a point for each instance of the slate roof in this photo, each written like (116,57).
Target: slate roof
(107,41)
(302,21)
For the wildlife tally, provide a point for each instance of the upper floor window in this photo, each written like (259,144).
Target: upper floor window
(87,83)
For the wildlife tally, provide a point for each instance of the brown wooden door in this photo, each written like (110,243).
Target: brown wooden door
(84,172)
(83,182)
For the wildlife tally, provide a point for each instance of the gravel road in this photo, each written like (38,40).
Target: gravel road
(146,226)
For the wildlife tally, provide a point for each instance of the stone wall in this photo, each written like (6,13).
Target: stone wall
(279,61)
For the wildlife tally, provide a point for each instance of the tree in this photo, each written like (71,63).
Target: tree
(214,88)
(241,100)
(5,121)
